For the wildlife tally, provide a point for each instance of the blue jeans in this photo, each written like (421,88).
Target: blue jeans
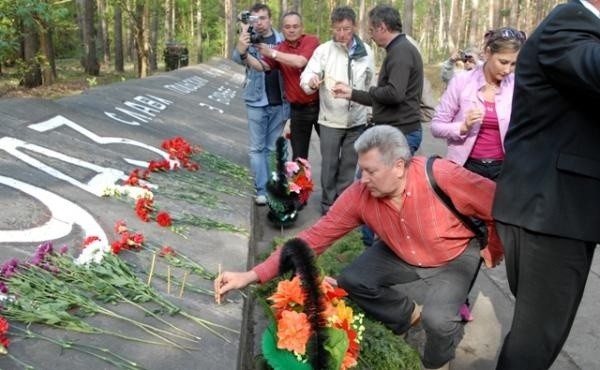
(414,142)
(265,125)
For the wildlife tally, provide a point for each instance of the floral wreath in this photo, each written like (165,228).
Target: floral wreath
(311,326)
(290,186)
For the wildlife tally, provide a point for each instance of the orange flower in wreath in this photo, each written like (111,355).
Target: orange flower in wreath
(293,331)
(289,294)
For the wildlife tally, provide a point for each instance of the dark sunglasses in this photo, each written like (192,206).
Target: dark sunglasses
(506,33)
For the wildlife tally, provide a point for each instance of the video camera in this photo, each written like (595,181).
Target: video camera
(246,18)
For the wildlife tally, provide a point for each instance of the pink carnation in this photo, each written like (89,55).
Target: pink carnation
(291,168)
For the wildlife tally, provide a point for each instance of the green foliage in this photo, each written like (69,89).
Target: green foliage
(341,254)
(383,350)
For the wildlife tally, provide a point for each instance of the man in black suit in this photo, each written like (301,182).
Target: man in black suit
(547,203)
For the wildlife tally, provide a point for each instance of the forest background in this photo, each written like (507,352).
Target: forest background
(103,37)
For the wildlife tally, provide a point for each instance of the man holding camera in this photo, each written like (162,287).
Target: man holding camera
(266,106)
(469,59)
(290,57)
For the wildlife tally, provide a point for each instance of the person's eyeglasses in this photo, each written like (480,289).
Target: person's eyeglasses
(341,29)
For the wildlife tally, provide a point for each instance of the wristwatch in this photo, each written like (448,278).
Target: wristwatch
(274,54)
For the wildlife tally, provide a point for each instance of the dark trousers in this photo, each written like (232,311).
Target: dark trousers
(374,282)
(302,120)
(338,163)
(489,170)
(547,276)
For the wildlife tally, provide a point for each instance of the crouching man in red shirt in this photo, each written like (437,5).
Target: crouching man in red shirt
(420,239)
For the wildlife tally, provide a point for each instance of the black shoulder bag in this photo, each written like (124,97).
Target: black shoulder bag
(475,225)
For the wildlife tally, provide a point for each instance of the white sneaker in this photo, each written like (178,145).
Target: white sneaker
(260,200)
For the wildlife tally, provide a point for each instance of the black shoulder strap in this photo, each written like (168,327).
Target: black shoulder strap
(448,202)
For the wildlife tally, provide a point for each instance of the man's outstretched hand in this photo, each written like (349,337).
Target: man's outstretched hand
(232,280)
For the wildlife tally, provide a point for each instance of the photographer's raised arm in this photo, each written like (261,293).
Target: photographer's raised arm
(241,53)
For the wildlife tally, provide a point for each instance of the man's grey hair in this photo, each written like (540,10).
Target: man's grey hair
(390,141)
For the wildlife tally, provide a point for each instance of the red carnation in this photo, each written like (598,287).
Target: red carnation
(120,227)
(133,178)
(115,247)
(163,219)
(89,240)
(166,251)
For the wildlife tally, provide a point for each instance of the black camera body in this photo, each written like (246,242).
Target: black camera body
(246,18)
(465,56)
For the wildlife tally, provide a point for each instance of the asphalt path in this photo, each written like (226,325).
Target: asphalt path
(55,159)
(56,156)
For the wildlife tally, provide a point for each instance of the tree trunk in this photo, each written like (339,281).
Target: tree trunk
(539,12)
(320,19)
(154,36)
(448,44)
(46,46)
(297,6)
(103,31)
(363,24)
(130,46)
(407,22)
(199,30)
(440,26)
(473,31)
(513,19)
(169,24)
(142,39)
(454,25)
(229,28)
(118,38)
(90,61)
(32,77)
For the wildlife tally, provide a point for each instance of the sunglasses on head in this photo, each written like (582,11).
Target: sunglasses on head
(506,33)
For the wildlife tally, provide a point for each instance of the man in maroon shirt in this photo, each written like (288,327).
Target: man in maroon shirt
(290,57)
(420,239)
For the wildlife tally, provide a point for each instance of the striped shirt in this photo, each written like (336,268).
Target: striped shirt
(424,232)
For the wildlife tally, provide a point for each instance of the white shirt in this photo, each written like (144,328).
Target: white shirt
(591,8)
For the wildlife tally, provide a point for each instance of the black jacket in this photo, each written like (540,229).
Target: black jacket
(550,180)
(396,98)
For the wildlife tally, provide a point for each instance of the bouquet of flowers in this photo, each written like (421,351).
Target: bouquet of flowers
(311,328)
(289,188)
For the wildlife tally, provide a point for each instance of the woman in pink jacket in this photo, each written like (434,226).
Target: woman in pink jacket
(474,111)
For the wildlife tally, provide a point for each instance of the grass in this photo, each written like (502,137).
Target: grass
(71,80)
